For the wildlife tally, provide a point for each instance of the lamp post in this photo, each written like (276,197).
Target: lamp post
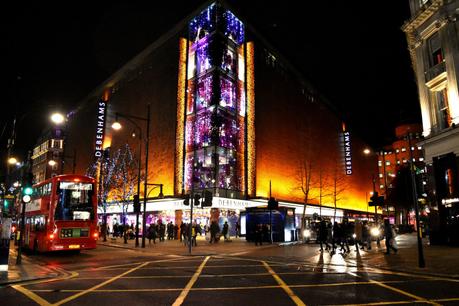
(116,126)
(421,261)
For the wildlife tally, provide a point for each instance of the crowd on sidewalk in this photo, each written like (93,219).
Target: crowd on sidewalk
(359,233)
(160,231)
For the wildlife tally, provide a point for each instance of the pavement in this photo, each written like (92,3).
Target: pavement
(26,271)
(440,260)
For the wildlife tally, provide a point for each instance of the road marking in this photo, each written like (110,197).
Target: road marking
(70,298)
(216,288)
(190,284)
(377,303)
(284,286)
(447,300)
(418,298)
(39,300)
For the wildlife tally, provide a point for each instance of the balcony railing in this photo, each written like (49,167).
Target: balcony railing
(435,71)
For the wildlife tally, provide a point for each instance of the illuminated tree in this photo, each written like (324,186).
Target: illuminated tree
(124,178)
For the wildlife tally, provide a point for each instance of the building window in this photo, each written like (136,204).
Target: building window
(419,148)
(444,117)
(387,163)
(381,186)
(436,53)
(379,163)
(397,151)
(421,159)
(403,149)
(398,162)
(412,148)
(404,161)
(381,175)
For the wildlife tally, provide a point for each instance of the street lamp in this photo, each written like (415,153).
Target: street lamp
(57,118)
(60,119)
(52,163)
(117,126)
(12,161)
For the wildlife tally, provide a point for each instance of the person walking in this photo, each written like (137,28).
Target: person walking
(152,233)
(323,235)
(389,236)
(225,230)
(258,234)
(214,229)
(358,234)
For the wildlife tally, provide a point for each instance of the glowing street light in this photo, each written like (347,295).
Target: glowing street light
(12,161)
(57,118)
(366,151)
(52,163)
(116,126)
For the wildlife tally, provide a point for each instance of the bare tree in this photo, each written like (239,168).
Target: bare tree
(304,178)
(338,186)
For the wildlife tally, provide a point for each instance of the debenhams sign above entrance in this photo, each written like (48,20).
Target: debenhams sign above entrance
(217,202)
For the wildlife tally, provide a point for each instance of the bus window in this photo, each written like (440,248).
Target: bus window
(74,201)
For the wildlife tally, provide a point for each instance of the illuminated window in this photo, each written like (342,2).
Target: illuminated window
(403,149)
(380,175)
(421,159)
(379,163)
(435,50)
(419,148)
(387,163)
(397,151)
(405,161)
(412,148)
(381,186)
(398,162)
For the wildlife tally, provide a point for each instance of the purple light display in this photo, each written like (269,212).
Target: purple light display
(216,101)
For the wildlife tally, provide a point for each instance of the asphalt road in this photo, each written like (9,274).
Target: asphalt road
(114,276)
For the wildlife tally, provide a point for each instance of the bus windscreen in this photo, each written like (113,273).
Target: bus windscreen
(74,201)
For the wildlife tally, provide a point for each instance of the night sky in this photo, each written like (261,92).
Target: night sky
(352,51)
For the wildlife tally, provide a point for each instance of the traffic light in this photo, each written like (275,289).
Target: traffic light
(186,201)
(197,197)
(376,200)
(207,199)
(273,204)
(136,201)
(7,208)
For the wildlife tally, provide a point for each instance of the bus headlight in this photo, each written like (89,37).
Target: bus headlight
(375,232)
(306,233)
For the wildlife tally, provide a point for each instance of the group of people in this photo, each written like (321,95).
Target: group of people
(338,235)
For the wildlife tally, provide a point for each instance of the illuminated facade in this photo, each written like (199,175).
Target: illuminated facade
(433,42)
(215,104)
(229,115)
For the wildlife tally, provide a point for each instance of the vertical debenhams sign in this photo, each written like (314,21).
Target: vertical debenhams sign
(100,128)
(347,152)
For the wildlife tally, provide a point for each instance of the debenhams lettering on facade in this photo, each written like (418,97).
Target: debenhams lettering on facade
(347,153)
(100,129)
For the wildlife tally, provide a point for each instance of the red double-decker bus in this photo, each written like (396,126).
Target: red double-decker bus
(62,214)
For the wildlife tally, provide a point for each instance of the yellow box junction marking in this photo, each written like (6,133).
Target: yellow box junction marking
(284,286)
(190,284)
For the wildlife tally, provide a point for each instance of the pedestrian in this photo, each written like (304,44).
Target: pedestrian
(258,234)
(225,230)
(389,236)
(151,233)
(358,234)
(214,230)
(323,235)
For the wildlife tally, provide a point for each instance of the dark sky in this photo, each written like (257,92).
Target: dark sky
(352,51)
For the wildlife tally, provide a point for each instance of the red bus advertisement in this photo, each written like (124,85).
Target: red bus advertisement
(62,214)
